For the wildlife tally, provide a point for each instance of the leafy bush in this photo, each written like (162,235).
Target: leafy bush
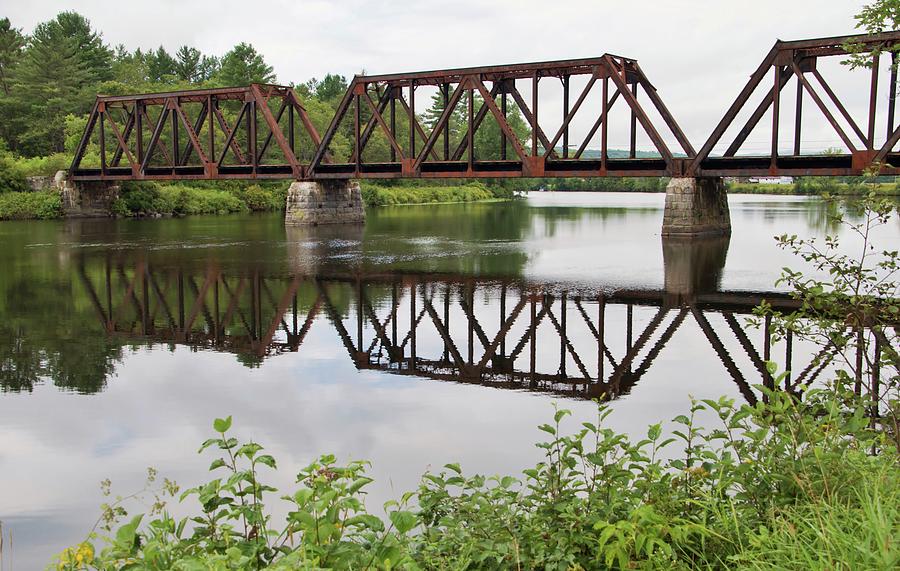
(11,177)
(260,199)
(30,205)
(382,195)
(784,484)
(44,166)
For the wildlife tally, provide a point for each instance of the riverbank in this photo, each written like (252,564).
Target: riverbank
(150,199)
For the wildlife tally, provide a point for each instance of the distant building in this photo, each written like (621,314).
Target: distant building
(771,180)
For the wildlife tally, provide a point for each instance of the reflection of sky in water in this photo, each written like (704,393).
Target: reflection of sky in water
(55,446)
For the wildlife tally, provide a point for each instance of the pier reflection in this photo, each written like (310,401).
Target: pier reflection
(576,341)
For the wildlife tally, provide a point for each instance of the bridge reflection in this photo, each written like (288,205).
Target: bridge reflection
(564,339)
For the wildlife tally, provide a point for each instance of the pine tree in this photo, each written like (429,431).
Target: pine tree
(243,65)
(11,43)
(187,64)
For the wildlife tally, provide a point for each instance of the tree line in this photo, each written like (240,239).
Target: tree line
(50,77)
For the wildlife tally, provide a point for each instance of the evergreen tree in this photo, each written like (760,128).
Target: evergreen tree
(50,82)
(187,64)
(11,44)
(332,87)
(94,55)
(161,66)
(243,65)
(209,66)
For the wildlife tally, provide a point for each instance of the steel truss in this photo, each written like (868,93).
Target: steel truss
(162,137)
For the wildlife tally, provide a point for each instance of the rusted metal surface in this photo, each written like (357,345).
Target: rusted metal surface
(263,131)
(797,61)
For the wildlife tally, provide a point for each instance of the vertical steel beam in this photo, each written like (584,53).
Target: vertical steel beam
(393,123)
(502,138)
(102,135)
(470,121)
(892,98)
(175,142)
(632,145)
(139,131)
(603,124)
(873,102)
(534,113)
(357,152)
(445,92)
(798,116)
(776,104)
(412,118)
(565,137)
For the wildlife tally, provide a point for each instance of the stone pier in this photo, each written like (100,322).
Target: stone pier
(696,207)
(326,202)
(85,199)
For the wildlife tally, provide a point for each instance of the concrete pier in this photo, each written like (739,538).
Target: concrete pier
(326,202)
(696,207)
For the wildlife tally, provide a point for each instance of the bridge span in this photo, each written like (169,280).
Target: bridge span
(378,132)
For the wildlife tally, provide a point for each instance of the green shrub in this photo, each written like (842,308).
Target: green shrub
(259,199)
(43,205)
(44,166)
(386,195)
(11,177)
(786,484)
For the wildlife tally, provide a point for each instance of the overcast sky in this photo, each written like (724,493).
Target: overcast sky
(697,53)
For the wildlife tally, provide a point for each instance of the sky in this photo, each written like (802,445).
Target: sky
(697,53)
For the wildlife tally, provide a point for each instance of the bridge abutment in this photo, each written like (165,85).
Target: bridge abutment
(312,203)
(85,199)
(696,206)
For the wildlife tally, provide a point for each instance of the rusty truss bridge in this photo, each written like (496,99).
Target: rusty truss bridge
(265,132)
(577,343)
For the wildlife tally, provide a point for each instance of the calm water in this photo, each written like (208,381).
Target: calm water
(433,334)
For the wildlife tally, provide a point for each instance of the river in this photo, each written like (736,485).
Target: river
(434,334)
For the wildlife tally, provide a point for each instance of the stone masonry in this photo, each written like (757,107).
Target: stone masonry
(696,207)
(324,202)
(85,199)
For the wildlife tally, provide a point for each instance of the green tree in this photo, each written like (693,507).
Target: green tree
(94,55)
(11,44)
(331,88)
(243,65)
(187,64)
(160,65)
(50,82)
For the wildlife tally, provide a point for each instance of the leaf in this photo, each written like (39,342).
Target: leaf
(455,467)
(560,414)
(267,460)
(126,534)
(403,520)
(358,483)
(366,520)
(217,463)
(222,424)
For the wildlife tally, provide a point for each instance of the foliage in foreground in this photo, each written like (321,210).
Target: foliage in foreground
(791,484)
